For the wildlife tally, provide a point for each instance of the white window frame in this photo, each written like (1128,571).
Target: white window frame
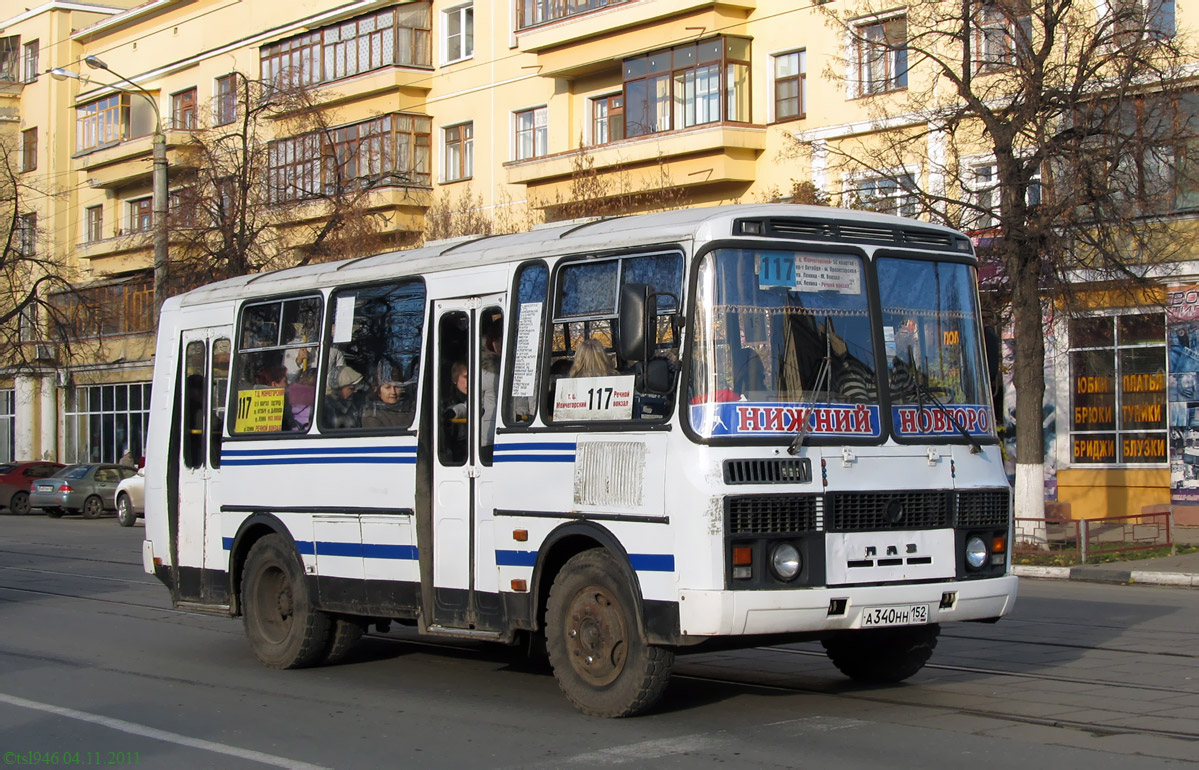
(1104,8)
(852,183)
(538,132)
(465,14)
(971,186)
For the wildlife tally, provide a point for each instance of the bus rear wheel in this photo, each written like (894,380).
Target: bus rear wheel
(599,658)
(882,655)
(284,629)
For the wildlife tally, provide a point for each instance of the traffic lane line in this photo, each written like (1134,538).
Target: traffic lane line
(133,728)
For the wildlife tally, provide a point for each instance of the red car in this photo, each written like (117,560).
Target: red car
(15,479)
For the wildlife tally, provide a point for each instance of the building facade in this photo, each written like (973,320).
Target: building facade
(436,116)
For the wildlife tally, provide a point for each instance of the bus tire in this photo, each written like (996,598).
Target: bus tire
(601,662)
(882,655)
(284,629)
(345,635)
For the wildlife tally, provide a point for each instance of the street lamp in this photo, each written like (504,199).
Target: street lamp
(159,202)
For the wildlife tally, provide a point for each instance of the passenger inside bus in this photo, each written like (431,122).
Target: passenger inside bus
(391,404)
(592,361)
(301,394)
(343,404)
(456,411)
(489,366)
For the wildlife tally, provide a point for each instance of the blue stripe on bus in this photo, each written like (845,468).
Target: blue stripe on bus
(498,458)
(321,459)
(642,562)
(525,447)
(317,450)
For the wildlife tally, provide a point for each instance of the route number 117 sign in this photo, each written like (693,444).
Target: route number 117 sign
(594,398)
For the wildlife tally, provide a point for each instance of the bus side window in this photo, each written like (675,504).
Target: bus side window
(195,362)
(532,282)
(373,358)
(491,337)
(278,343)
(221,352)
(453,391)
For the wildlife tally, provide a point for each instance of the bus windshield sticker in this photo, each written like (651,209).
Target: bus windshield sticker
(889,342)
(842,275)
(776,268)
(524,367)
(747,418)
(260,410)
(594,398)
(343,320)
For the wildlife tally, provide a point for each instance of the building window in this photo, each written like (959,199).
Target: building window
(8,432)
(126,307)
(607,119)
(32,57)
(388,151)
(530,13)
(1138,19)
(102,422)
(395,36)
(224,109)
(183,110)
(94,219)
(141,215)
(1003,29)
(27,234)
(532,133)
(687,85)
(1118,389)
(888,195)
(458,33)
(10,58)
(982,190)
(790,85)
(29,149)
(459,152)
(882,56)
(102,122)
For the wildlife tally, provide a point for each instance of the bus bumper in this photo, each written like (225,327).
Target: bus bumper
(736,613)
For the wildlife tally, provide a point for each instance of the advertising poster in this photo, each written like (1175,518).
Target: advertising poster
(1182,351)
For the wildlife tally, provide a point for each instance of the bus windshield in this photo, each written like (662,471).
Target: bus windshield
(783,344)
(933,347)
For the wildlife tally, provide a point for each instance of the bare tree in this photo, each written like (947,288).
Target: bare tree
(595,192)
(275,182)
(1059,130)
(31,275)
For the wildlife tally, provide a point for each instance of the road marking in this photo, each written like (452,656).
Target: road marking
(76,574)
(159,735)
(647,750)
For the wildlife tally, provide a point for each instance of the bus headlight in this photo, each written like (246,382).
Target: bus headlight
(976,553)
(785,562)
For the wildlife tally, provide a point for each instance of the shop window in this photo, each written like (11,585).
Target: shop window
(102,422)
(1118,390)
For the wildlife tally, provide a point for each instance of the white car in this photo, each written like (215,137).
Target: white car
(131,498)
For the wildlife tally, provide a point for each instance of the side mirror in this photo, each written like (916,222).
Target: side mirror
(636,321)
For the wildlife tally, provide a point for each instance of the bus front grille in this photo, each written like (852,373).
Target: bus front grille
(983,508)
(873,511)
(772,514)
(768,471)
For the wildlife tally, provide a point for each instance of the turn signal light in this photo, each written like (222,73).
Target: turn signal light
(999,544)
(743,556)
(519,585)
(520,535)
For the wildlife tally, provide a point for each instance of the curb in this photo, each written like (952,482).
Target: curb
(1099,575)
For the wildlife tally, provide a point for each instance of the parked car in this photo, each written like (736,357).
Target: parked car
(131,496)
(89,489)
(15,479)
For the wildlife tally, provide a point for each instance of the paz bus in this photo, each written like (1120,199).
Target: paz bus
(626,438)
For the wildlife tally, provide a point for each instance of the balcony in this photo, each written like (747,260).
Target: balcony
(405,208)
(590,42)
(407,89)
(119,254)
(128,161)
(718,153)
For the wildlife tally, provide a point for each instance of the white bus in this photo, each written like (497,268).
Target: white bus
(630,437)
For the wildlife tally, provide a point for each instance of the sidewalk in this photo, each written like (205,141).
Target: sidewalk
(1166,571)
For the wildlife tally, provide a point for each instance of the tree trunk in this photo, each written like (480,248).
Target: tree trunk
(1029,379)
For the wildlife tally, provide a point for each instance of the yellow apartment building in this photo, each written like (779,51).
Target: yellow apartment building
(454,112)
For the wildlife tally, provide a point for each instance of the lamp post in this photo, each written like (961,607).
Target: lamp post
(159,202)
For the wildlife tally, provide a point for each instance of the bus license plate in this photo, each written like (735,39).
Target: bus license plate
(904,615)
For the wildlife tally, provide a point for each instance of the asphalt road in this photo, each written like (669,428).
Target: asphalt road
(96,668)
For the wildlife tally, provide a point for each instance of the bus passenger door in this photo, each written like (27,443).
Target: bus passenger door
(205,369)
(459,475)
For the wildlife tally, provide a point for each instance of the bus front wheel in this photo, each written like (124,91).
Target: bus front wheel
(284,629)
(599,658)
(882,655)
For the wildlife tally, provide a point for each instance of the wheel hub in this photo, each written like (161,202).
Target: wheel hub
(596,636)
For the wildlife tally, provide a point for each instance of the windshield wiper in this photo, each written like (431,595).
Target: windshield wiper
(822,376)
(924,391)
